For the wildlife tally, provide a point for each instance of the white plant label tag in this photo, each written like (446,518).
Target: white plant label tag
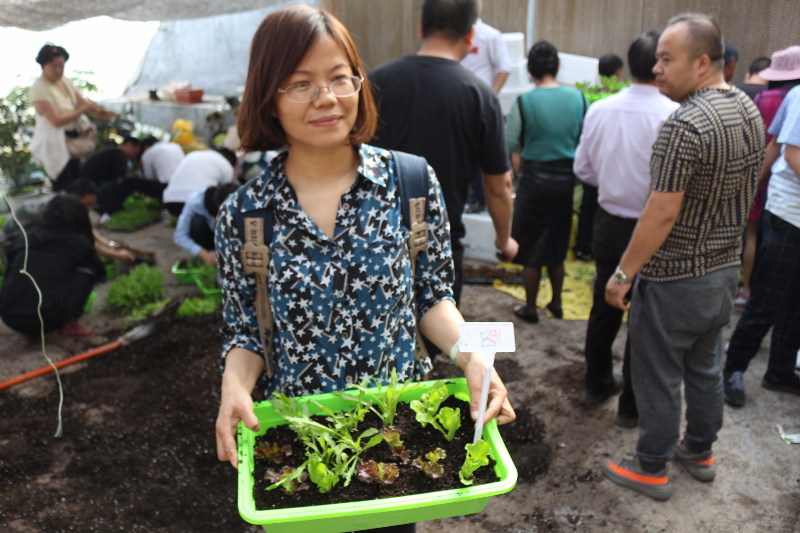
(486,337)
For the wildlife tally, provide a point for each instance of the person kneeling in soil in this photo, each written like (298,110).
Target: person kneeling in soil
(338,241)
(62,259)
(195,229)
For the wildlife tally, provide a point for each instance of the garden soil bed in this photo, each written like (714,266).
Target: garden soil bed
(416,439)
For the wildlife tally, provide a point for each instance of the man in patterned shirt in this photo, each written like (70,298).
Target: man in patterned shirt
(685,250)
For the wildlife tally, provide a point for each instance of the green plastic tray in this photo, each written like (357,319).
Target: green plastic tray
(213,292)
(355,516)
(111,270)
(185,276)
(88,307)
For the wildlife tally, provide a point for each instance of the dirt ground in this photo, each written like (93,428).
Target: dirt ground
(138,447)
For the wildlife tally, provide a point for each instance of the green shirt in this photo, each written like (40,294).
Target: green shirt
(553,122)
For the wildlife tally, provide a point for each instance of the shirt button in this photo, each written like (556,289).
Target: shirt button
(348,379)
(346,205)
(345,335)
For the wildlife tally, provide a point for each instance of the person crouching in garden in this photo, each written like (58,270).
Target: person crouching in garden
(195,229)
(338,240)
(62,259)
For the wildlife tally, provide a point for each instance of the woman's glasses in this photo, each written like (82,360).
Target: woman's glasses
(303,92)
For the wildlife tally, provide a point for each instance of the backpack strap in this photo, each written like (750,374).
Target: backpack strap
(522,121)
(414,182)
(256,233)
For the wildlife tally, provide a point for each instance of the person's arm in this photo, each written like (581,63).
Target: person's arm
(582,165)
(48,111)
(771,154)
(500,204)
(499,81)
(95,110)
(654,226)
(792,157)
(440,326)
(182,237)
(243,360)
(242,370)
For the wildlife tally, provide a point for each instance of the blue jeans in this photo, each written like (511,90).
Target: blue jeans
(676,337)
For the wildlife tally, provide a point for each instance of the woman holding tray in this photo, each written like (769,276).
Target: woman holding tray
(340,280)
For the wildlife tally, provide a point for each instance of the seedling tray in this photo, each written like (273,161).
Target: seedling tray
(355,516)
(185,276)
(208,292)
(89,302)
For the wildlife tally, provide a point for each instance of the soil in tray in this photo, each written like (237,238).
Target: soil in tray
(416,439)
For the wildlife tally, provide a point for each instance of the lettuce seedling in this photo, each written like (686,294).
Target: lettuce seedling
(322,476)
(431,467)
(386,398)
(428,405)
(289,479)
(381,473)
(273,452)
(450,420)
(396,448)
(477,456)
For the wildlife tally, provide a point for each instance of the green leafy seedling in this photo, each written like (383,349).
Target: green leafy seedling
(450,421)
(322,476)
(477,456)
(140,287)
(432,468)
(428,405)
(386,398)
(197,306)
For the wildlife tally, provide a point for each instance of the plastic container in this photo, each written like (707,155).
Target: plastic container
(111,270)
(185,276)
(190,95)
(208,292)
(88,307)
(355,516)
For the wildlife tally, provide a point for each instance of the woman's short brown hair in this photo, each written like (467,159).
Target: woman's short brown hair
(280,43)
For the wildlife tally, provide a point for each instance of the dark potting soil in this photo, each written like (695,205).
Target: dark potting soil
(416,439)
(138,452)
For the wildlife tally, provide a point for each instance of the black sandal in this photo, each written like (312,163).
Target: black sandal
(522,312)
(556,311)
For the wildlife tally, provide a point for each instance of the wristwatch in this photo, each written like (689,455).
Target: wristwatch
(620,278)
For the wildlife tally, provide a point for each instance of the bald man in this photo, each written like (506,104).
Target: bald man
(685,253)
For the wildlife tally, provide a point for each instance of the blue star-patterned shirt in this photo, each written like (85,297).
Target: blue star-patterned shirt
(342,305)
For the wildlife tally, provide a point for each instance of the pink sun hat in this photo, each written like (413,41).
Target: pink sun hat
(785,65)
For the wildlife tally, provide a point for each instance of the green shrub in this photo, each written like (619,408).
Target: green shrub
(142,286)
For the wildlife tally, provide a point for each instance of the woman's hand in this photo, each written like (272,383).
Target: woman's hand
(499,406)
(208,257)
(236,405)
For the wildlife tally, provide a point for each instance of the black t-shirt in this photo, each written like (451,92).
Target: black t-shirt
(751,89)
(105,165)
(435,108)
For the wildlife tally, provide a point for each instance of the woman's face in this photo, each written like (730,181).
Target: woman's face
(54,69)
(325,122)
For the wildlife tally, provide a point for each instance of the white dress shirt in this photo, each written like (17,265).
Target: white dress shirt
(617,143)
(489,54)
(160,161)
(197,171)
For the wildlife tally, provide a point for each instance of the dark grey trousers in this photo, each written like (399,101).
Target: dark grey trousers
(676,337)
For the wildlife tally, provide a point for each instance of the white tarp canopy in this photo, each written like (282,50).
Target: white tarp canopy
(38,15)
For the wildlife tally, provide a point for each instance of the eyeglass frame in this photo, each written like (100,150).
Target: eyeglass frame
(319,89)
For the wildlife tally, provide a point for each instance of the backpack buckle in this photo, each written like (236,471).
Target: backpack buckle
(418,238)
(255,259)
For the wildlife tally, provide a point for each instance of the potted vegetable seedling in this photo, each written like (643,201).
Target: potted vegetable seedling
(341,443)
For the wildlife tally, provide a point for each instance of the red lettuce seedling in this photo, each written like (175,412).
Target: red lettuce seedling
(273,452)
(289,479)
(396,448)
(380,473)
(477,456)
(432,468)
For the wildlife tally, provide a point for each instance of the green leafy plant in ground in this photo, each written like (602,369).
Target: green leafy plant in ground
(144,311)
(142,286)
(207,276)
(477,456)
(137,212)
(196,307)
